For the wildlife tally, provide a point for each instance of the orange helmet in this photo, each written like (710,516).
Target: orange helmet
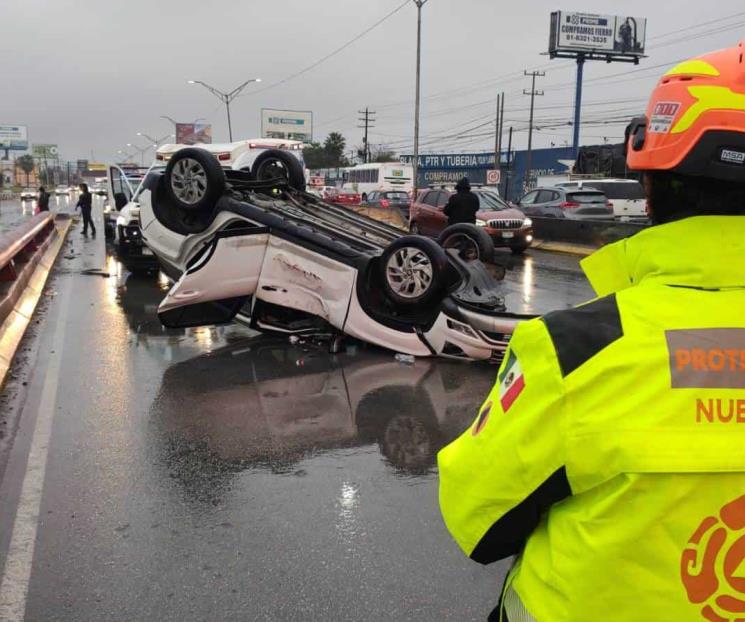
(695,123)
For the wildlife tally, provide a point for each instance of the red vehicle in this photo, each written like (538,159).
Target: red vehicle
(342,197)
(506,225)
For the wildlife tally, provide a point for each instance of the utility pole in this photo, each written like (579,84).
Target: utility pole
(419,5)
(509,166)
(532,93)
(496,135)
(501,123)
(367,119)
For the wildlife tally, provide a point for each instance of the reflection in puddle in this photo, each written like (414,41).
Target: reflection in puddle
(251,406)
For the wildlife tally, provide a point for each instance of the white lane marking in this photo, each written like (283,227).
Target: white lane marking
(17,572)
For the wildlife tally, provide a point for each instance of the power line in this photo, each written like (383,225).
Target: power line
(333,53)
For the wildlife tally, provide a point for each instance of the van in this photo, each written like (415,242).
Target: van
(626,195)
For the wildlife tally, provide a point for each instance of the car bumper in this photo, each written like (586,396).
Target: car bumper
(510,237)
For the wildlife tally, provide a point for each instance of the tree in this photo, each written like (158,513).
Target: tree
(385,156)
(328,155)
(26,164)
(334,147)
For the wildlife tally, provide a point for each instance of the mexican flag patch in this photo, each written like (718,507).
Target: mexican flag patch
(511,382)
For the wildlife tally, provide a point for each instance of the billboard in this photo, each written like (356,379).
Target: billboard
(612,35)
(193,133)
(46,152)
(287,124)
(13,137)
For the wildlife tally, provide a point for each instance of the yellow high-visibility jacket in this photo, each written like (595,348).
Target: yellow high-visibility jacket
(610,455)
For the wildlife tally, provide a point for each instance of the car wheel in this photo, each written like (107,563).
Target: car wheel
(413,270)
(280,165)
(414,228)
(518,250)
(470,241)
(194,179)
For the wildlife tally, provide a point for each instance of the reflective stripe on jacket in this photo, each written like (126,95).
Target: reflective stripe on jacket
(611,452)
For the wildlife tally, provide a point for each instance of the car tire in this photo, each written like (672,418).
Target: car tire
(519,249)
(194,180)
(270,162)
(414,228)
(413,270)
(471,241)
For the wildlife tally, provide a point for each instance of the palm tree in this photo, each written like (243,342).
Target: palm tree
(26,164)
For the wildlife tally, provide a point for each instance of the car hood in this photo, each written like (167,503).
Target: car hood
(500,214)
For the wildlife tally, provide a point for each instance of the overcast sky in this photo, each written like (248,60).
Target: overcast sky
(88,75)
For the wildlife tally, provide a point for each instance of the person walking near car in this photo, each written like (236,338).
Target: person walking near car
(463,205)
(609,455)
(43,200)
(85,203)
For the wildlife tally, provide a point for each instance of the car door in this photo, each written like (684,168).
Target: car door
(219,279)
(547,203)
(120,191)
(427,212)
(439,219)
(527,203)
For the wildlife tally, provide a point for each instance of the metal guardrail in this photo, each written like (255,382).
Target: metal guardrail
(22,242)
(586,232)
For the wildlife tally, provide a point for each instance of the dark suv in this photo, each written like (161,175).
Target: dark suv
(390,199)
(506,225)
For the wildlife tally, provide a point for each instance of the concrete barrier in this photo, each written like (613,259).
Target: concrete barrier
(580,237)
(27,255)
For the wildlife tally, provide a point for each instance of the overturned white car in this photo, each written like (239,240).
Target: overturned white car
(253,245)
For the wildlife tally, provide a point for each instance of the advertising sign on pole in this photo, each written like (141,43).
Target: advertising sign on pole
(47,152)
(287,124)
(609,35)
(13,137)
(193,133)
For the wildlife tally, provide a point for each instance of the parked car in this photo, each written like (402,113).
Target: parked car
(627,195)
(28,194)
(121,218)
(267,253)
(62,190)
(506,225)
(557,202)
(395,199)
(343,197)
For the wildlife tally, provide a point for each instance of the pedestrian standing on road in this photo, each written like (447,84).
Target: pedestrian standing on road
(85,203)
(463,205)
(609,455)
(43,200)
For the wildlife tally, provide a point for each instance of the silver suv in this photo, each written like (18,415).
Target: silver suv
(584,204)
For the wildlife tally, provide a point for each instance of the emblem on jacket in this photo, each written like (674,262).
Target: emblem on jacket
(712,566)
(511,382)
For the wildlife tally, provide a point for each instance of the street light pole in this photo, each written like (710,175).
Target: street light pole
(141,151)
(226,98)
(419,5)
(155,141)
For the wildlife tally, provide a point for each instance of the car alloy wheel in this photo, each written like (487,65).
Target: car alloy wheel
(189,181)
(409,272)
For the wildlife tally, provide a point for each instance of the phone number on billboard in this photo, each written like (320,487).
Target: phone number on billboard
(586,39)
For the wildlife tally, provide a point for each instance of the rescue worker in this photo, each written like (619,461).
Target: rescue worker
(610,455)
(43,200)
(85,203)
(463,205)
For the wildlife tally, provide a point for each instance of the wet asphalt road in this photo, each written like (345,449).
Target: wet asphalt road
(16,211)
(215,474)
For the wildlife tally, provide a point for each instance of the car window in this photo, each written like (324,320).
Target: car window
(586,196)
(442,198)
(488,201)
(372,196)
(545,196)
(621,190)
(397,196)
(429,198)
(529,198)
